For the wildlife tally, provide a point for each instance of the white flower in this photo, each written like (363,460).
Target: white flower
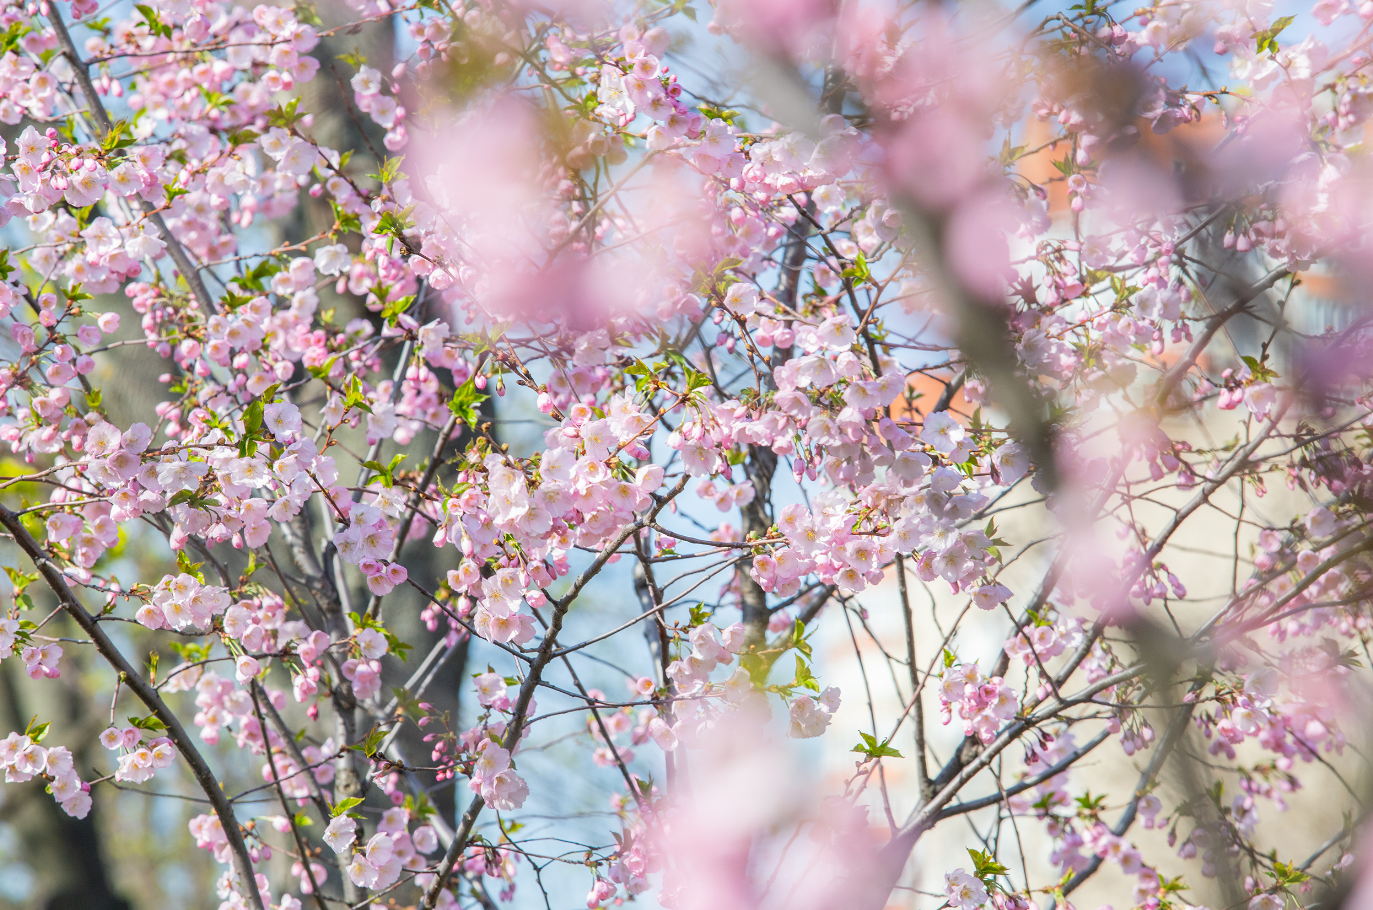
(742,298)
(275,142)
(662,734)
(942,432)
(424,839)
(964,891)
(299,158)
(504,792)
(1011,460)
(379,849)
(836,333)
(360,871)
(371,643)
(333,259)
(987,597)
(1320,522)
(717,140)
(102,439)
(829,198)
(282,419)
(808,717)
(32,145)
(175,476)
(491,761)
(340,834)
(249,472)
(367,81)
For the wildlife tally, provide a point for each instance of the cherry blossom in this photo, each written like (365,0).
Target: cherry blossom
(1018,352)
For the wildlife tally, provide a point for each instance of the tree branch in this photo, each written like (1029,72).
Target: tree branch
(146,694)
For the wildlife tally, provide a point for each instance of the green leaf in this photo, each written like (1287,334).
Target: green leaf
(373,741)
(190,651)
(873,749)
(252,417)
(1091,803)
(344,222)
(419,805)
(155,25)
(285,115)
(306,12)
(256,278)
(323,369)
(984,866)
(215,101)
(233,301)
(1009,154)
(301,820)
(393,225)
(19,579)
(399,648)
(36,731)
(465,401)
(393,309)
(183,562)
(118,137)
(390,168)
(147,723)
(1259,368)
(179,497)
(344,805)
(804,678)
(242,137)
(10,39)
(1288,874)
(355,397)
(1266,40)
(859,269)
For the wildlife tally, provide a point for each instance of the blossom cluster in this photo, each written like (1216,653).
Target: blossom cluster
(24,759)
(789,365)
(984,704)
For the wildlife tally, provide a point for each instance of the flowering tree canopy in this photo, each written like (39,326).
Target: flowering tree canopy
(1004,369)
